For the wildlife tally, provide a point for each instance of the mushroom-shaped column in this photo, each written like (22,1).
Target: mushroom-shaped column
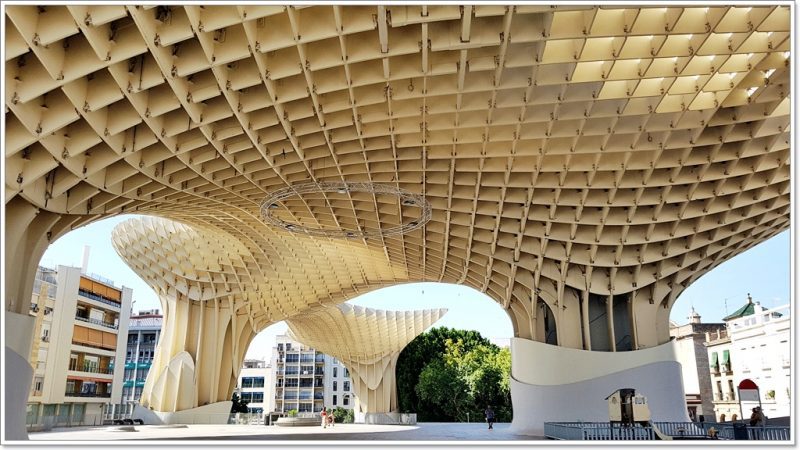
(209,303)
(368,342)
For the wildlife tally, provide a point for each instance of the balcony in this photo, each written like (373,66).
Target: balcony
(96,322)
(98,298)
(90,368)
(88,394)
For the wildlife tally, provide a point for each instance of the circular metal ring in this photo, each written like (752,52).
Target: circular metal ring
(406,199)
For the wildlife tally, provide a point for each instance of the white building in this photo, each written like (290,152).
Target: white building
(81,324)
(306,380)
(756,346)
(256,386)
(336,383)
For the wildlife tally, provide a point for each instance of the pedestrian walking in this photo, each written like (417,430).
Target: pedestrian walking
(324,415)
(489,413)
(331,418)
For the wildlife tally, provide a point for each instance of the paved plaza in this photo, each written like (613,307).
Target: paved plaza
(341,432)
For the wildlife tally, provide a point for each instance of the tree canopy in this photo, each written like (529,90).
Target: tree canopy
(445,374)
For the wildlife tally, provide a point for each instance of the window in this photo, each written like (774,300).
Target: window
(346,400)
(335,386)
(334,399)
(731,390)
(346,386)
(334,372)
(346,372)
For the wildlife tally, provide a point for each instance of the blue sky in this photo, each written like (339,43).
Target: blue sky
(762,271)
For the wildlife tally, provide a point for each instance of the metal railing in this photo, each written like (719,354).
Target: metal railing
(603,431)
(754,433)
(90,368)
(88,394)
(98,298)
(97,322)
(596,431)
(48,422)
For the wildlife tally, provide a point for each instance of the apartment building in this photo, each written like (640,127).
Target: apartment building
(81,323)
(143,335)
(306,380)
(256,386)
(755,345)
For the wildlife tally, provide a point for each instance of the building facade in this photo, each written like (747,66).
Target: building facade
(80,326)
(754,346)
(337,391)
(690,348)
(306,380)
(256,386)
(143,336)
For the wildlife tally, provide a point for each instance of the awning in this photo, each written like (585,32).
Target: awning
(726,357)
(714,359)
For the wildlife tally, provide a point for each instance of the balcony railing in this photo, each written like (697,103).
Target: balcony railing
(96,322)
(99,298)
(91,368)
(88,394)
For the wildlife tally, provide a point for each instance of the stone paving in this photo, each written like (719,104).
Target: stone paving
(341,432)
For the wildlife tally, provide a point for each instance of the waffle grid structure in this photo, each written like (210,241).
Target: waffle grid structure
(580,162)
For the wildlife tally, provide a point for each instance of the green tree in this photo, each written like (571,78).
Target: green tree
(427,347)
(342,415)
(440,384)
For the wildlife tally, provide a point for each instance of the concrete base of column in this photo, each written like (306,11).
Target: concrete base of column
(18,383)
(558,384)
(18,374)
(215,413)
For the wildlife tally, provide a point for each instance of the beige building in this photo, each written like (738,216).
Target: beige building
(690,349)
(81,328)
(581,165)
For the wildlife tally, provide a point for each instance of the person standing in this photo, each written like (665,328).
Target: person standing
(324,415)
(489,413)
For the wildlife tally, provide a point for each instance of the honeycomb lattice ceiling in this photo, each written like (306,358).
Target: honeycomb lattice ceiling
(604,149)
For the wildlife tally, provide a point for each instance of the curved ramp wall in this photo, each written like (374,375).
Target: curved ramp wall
(558,384)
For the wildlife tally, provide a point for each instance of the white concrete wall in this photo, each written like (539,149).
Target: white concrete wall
(66,302)
(684,349)
(18,373)
(550,383)
(122,346)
